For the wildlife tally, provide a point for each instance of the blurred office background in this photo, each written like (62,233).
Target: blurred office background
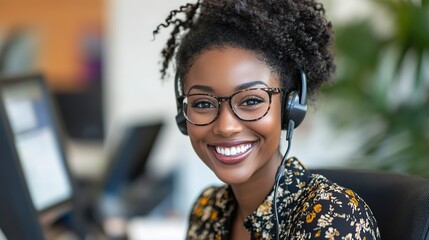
(102,65)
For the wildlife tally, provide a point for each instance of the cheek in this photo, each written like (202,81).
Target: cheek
(197,135)
(273,118)
(270,126)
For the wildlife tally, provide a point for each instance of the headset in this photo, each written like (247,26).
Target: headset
(294,105)
(180,117)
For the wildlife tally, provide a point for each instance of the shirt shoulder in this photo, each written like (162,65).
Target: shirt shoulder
(331,211)
(210,214)
(209,197)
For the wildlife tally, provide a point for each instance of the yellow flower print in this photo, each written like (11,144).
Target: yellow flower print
(204,201)
(350,193)
(317,208)
(258,236)
(199,211)
(305,207)
(354,201)
(318,233)
(213,215)
(310,217)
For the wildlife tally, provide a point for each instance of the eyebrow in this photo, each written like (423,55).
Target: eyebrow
(238,88)
(249,84)
(202,88)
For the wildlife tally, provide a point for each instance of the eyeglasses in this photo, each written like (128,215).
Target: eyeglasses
(248,105)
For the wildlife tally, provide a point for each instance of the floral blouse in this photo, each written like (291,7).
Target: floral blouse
(309,205)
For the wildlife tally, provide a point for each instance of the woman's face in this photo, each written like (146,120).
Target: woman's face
(235,150)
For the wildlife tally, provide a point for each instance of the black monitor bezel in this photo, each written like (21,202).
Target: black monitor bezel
(51,213)
(22,219)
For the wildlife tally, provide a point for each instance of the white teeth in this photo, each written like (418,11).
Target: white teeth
(232,151)
(227,152)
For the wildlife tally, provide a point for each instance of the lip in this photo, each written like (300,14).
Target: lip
(230,160)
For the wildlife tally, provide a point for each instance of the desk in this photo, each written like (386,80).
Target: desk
(142,228)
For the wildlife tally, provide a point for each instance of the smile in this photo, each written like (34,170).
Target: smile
(232,154)
(234,150)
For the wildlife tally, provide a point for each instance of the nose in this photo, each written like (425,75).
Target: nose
(227,124)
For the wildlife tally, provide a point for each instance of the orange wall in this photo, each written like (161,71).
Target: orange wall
(59,25)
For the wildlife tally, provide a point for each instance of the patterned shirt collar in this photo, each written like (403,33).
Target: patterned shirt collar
(261,223)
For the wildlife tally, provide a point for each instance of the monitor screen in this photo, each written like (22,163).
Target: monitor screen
(28,110)
(2,236)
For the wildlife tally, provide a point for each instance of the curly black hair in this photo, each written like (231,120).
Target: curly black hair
(288,35)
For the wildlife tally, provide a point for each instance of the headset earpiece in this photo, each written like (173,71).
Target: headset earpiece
(295,105)
(180,118)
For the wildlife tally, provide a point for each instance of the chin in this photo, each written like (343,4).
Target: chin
(233,176)
(233,181)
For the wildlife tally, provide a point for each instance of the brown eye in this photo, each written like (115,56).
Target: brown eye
(203,104)
(251,101)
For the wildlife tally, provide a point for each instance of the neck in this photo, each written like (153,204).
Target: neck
(251,194)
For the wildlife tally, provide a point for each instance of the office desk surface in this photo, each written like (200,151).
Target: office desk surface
(156,229)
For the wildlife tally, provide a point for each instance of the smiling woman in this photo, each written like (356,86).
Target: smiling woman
(241,79)
(224,72)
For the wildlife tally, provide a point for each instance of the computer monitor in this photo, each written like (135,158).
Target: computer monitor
(126,168)
(36,149)
(2,236)
(18,219)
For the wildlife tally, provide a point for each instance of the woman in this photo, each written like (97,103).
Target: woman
(241,69)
